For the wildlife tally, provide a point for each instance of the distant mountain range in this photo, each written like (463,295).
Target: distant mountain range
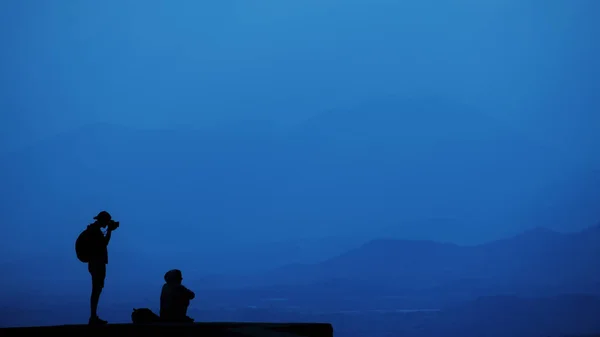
(255,197)
(537,262)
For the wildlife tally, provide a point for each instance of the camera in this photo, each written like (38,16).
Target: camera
(113,225)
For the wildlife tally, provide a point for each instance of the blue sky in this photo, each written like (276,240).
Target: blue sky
(70,63)
(529,67)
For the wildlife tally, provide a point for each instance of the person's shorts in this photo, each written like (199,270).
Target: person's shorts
(98,272)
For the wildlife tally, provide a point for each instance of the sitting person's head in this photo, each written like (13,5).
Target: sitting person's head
(173,276)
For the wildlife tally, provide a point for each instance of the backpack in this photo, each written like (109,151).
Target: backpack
(144,316)
(82,247)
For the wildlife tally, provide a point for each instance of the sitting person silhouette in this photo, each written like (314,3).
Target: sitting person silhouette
(175,298)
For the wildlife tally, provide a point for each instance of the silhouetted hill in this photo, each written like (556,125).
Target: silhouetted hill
(538,261)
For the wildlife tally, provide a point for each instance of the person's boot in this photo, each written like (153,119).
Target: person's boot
(95,320)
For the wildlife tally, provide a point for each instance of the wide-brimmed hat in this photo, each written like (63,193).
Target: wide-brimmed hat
(103,216)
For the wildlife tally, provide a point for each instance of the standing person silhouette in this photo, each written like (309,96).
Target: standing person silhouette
(97,249)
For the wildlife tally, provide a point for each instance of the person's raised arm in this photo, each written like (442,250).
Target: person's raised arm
(189,294)
(108,235)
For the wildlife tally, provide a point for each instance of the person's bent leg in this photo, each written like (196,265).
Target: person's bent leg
(185,305)
(186,318)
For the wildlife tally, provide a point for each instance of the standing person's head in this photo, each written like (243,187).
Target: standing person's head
(103,219)
(174,276)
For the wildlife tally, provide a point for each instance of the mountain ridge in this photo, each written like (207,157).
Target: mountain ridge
(525,258)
